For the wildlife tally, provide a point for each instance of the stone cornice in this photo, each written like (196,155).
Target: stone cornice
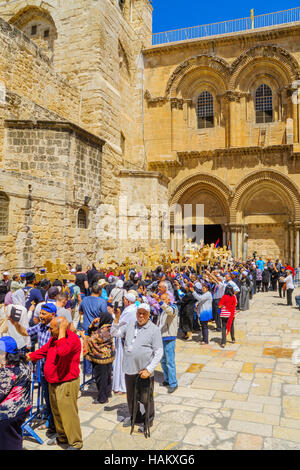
(175,163)
(234,151)
(263,34)
(55,125)
(144,174)
(180,160)
(157,100)
(175,102)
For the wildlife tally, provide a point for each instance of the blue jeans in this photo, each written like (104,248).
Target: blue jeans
(47,412)
(168,362)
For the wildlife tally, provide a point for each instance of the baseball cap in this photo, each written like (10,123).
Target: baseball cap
(8,345)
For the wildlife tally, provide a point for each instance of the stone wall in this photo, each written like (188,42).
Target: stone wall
(88,70)
(26,71)
(48,170)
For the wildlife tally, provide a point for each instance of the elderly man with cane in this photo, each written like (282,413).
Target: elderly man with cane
(62,354)
(143,350)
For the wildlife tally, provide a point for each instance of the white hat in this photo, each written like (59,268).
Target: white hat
(102,282)
(145,307)
(130,297)
(73,270)
(6,273)
(119,284)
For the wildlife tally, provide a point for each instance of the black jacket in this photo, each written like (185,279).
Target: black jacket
(266,275)
(187,304)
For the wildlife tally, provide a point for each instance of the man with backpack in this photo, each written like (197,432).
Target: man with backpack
(75,300)
(33,296)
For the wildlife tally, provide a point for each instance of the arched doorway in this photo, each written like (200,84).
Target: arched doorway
(214,216)
(266,215)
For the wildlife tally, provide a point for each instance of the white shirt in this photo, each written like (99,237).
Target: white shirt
(289,282)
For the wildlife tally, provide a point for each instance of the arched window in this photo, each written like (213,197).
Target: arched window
(4,202)
(38,24)
(205,110)
(82,219)
(264,104)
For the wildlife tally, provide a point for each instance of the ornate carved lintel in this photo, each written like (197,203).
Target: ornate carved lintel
(236,96)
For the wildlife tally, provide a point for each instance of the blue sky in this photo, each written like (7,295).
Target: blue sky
(175,14)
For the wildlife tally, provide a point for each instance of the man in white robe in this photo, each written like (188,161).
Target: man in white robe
(128,314)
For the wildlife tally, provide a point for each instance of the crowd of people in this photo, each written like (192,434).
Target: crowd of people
(124,324)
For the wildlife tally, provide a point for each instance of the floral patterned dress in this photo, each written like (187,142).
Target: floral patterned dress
(14,390)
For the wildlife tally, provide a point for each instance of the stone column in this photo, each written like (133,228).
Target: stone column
(239,252)
(293,92)
(172,241)
(295,122)
(224,237)
(297,239)
(291,232)
(231,123)
(245,242)
(286,244)
(234,240)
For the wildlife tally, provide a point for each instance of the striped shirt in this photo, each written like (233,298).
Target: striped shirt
(224,312)
(42,331)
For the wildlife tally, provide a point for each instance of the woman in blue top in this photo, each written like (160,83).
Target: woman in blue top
(204,310)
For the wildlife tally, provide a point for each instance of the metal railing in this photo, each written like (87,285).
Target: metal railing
(227,27)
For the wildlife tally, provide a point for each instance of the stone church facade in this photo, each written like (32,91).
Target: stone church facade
(222,123)
(90,112)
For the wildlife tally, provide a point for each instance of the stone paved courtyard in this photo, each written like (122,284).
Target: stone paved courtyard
(246,396)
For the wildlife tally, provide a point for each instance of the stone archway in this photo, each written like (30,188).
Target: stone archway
(266,209)
(266,217)
(195,192)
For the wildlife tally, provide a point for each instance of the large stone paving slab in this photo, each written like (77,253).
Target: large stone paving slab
(245,396)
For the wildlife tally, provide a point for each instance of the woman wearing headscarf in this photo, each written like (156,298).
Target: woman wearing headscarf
(117,294)
(187,308)
(99,349)
(245,286)
(15,376)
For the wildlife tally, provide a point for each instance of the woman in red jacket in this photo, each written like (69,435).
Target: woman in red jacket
(228,305)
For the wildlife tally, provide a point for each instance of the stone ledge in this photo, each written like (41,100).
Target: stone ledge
(54,125)
(145,174)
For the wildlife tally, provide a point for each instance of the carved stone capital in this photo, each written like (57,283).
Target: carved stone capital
(231,95)
(176,103)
